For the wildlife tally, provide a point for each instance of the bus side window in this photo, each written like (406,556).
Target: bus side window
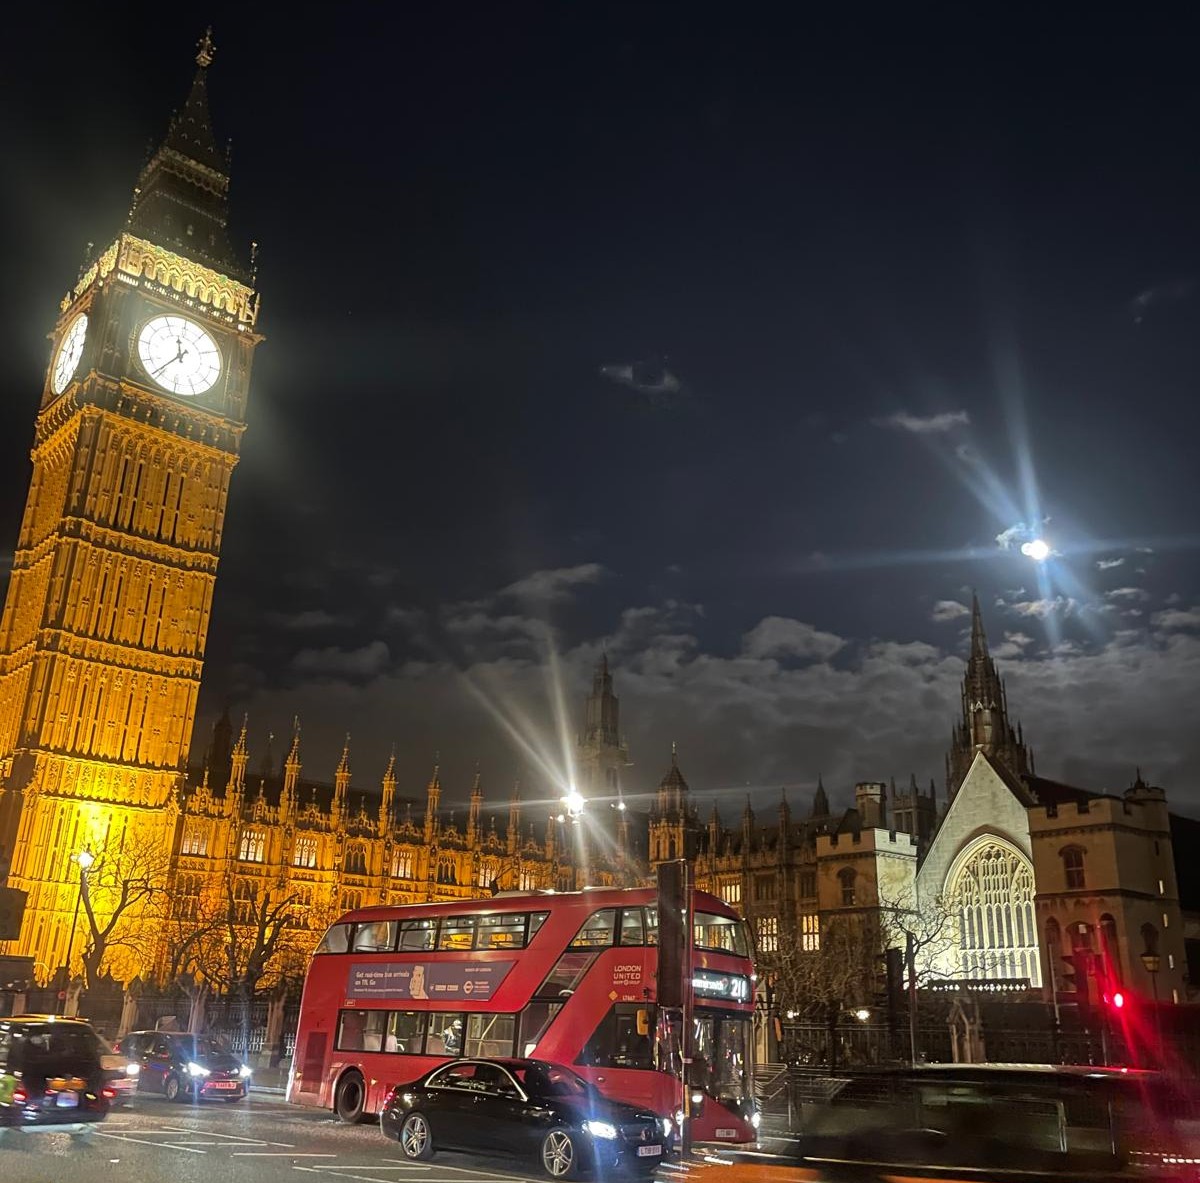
(597,930)
(536,920)
(622,1040)
(336,940)
(378,936)
(651,926)
(632,929)
(503,931)
(417,935)
(458,932)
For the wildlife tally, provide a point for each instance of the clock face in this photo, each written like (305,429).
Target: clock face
(179,355)
(66,361)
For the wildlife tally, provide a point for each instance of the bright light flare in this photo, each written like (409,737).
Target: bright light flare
(1037,549)
(574,802)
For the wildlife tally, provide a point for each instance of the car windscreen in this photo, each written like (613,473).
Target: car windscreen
(198,1047)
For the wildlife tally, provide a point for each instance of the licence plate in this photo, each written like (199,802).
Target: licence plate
(67,1100)
(723,1133)
(649,1151)
(223,1084)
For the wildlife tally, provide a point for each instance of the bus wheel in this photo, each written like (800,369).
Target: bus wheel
(560,1155)
(414,1137)
(350,1099)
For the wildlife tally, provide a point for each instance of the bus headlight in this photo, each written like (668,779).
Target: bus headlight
(600,1129)
(756,1119)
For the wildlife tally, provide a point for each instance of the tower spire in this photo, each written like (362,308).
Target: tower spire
(985,725)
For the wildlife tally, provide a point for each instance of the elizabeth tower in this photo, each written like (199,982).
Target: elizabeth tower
(108,606)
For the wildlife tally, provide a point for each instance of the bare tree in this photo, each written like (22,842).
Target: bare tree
(115,892)
(248,931)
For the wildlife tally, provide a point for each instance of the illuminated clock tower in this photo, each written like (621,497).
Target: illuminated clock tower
(103,632)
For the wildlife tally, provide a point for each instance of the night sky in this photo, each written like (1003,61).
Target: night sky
(743,348)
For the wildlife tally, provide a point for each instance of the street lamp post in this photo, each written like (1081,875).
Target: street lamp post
(1152,963)
(84,859)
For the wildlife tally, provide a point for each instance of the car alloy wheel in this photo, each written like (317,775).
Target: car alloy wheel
(558,1155)
(414,1137)
(171,1089)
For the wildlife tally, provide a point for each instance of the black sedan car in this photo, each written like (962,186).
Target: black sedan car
(51,1077)
(523,1107)
(182,1066)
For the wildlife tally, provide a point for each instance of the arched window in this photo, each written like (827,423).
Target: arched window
(991,886)
(1150,939)
(846,877)
(356,860)
(1072,857)
(1109,946)
(402,864)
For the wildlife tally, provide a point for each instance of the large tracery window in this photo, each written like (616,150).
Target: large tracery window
(992,889)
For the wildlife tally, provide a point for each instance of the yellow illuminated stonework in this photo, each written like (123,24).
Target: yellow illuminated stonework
(108,604)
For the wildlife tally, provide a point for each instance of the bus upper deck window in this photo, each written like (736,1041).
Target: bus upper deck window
(417,935)
(597,930)
(505,931)
(458,932)
(377,936)
(632,928)
(336,940)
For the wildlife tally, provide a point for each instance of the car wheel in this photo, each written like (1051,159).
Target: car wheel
(350,1099)
(172,1089)
(415,1139)
(560,1155)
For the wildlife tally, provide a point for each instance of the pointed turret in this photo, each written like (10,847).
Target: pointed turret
(601,755)
(820,802)
(238,760)
(785,820)
(985,725)
(474,810)
(181,199)
(512,835)
(433,800)
(341,786)
(288,799)
(387,803)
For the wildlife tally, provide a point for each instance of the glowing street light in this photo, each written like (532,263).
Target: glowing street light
(84,860)
(574,803)
(862,1014)
(1037,549)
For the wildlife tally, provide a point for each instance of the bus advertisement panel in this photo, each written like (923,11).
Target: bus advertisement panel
(567,977)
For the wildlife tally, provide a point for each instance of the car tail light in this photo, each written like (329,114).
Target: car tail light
(108,1093)
(20,1096)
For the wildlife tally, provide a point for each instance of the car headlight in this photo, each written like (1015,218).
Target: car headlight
(666,1126)
(756,1119)
(132,1069)
(244,1072)
(195,1069)
(600,1129)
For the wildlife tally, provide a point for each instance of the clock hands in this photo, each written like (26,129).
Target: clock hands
(181,353)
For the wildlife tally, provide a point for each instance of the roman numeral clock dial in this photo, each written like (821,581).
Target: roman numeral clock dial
(179,355)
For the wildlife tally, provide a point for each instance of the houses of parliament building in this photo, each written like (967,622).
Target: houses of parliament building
(102,638)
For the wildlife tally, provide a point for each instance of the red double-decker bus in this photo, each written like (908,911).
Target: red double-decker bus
(567,977)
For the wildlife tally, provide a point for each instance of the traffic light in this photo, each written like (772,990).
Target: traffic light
(673,942)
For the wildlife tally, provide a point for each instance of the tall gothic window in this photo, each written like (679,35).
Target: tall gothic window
(992,891)
(254,846)
(305,852)
(810,932)
(730,891)
(356,860)
(846,877)
(402,864)
(195,838)
(768,934)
